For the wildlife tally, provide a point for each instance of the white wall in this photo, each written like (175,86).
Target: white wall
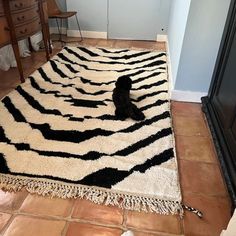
(177,24)
(195,32)
(201,44)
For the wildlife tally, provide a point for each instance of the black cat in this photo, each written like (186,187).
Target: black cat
(121,98)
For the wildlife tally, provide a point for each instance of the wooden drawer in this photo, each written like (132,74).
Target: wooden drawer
(28,29)
(5,35)
(16,5)
(24,16)
(1,8)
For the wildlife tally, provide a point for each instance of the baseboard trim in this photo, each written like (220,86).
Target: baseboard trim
(187,96)
(87,34)
(162,38)
(54,30)
(75,33)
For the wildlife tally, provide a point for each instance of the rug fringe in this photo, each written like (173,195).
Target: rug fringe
(94,194)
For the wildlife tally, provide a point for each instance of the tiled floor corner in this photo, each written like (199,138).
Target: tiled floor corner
(24,214)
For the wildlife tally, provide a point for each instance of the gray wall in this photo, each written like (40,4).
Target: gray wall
(177,25)
(138,19)
(122,16)
(92,14)
(201,43)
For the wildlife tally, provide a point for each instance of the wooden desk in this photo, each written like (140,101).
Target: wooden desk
(20,19)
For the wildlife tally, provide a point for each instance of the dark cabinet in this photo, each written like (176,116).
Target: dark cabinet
(220,104)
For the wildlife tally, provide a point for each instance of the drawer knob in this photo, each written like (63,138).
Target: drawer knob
(19,5)
(23,31)
(20,18)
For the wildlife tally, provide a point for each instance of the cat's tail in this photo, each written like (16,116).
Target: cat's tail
(135,113)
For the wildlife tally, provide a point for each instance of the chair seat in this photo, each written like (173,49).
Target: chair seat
(63,15)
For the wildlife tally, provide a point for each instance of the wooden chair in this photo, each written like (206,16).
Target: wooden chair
(55,13)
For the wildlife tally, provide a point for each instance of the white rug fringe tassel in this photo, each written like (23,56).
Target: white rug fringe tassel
(94,194)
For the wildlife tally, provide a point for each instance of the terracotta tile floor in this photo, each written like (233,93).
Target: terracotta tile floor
(23,214)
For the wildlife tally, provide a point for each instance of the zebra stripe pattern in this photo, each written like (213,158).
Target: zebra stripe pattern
(59,135)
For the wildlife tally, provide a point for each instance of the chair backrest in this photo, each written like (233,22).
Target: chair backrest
(53,8)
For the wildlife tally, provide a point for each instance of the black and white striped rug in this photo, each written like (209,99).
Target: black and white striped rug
(59,136)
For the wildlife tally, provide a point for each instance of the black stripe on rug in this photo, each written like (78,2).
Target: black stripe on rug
(106,177)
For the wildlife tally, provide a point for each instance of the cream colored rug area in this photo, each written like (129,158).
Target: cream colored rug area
(59,135)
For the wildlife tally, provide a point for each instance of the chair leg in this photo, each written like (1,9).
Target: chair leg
(59,31)
(79,28)
(49,40)
(62,41)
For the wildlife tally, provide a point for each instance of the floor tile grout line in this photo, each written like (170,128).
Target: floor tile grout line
(199,162)
(125,214)
(194,114)
(153,232)
(65,229)
(72,209)
(196,161)
(69,220)
(197,135)
(123,229)
(181,221)
(207,195)
(187,135)
(60,218)
(7,225)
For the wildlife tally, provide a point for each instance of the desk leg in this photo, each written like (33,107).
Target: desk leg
(6,7)
(43,18)
(48,36)
(45,41)
(19,65)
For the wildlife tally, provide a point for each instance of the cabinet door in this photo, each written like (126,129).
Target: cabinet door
(137,19)
(224,99)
